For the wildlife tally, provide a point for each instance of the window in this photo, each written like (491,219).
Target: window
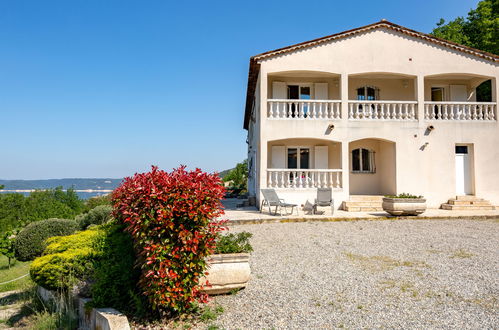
(367,93)
(363,161)
(298,92)
(299,158)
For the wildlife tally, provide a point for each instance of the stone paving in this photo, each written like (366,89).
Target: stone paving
(250,214)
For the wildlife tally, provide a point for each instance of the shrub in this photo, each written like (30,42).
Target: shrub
(403,195)
(97,216)
(234,243)
(30,242)
(93,202)
(172,219)
(102,255)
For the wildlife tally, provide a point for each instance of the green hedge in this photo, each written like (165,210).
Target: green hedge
(97,216)
(30,242)
(103,255)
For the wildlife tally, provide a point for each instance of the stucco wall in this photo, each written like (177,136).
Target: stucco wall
(425,164)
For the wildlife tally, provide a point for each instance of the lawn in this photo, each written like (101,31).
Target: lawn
(16,270)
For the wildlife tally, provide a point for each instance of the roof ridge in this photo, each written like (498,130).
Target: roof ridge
(380,24)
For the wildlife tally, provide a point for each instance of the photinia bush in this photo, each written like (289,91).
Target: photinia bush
(172,218)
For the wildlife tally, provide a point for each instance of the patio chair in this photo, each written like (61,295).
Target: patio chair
(324,198)
(270,199)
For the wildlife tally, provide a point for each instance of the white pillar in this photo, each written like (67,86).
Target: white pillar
(344,97)
(345,167)
(495,93)
(262,141)
(419,86)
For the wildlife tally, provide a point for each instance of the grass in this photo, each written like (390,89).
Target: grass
(16,270)
(461,253)
(382,263)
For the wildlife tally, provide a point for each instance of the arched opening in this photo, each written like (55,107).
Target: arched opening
(372,169)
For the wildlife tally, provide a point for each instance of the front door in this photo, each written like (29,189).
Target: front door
(463,171)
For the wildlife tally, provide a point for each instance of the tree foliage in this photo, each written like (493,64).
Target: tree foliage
(479,30)
(17,210)
(238,175)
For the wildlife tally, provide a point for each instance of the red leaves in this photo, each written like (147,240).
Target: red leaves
(173,220)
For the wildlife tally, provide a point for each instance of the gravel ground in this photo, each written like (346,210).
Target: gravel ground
(369,274)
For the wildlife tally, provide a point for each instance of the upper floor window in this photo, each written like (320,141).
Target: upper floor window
(367,93)
(363,161)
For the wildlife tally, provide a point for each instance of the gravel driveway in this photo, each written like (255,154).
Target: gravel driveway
(369,274)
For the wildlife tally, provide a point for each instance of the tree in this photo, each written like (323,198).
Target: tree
(479,30)
(238,175)
(7,244)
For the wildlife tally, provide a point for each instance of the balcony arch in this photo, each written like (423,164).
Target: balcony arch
(372,169)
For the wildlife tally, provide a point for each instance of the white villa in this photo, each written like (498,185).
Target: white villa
(377,110)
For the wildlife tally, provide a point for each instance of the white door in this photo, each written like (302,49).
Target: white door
(463,175)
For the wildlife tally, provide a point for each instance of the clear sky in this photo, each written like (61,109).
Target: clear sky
(100,88)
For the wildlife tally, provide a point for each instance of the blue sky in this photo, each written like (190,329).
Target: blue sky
(107,88)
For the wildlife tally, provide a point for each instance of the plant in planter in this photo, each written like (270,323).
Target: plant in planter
(229,267)
(404,204)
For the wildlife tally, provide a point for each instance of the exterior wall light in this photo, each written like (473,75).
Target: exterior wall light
(430,128)
(330,127)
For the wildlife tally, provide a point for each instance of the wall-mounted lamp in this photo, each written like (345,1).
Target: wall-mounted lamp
(430,128)
(405,84)
(330,127)
(336,83)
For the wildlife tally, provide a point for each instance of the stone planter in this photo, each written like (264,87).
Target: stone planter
(404,206)
(227,272)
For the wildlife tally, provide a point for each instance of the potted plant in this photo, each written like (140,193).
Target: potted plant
(228,268)
(404,204)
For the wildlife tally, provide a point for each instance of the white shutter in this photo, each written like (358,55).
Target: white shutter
(278,158)
(458,93)
(279,90)
(321,91)
(321,157)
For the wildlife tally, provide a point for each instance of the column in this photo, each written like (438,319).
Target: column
(344,97)
(419,91)
(345,168)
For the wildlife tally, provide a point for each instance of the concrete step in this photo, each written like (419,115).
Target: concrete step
(362,204)
(466,207)
(366,198)
(362,209)
(481,202)
(468,198)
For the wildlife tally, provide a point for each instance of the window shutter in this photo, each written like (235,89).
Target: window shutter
(279,90)
(458,93)
(278,158)
(321,91)
(321,157)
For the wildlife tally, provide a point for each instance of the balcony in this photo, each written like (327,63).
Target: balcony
(304,109)
(304,178)
(382,110)
(462,111)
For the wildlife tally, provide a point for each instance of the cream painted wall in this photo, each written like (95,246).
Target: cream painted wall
(333,84)
(427,170)
(389,89)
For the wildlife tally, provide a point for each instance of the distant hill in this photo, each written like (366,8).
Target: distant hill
(77,184)
(222,174)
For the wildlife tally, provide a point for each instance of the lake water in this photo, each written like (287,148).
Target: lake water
(81,194)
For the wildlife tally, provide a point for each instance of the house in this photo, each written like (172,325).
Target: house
(377,110)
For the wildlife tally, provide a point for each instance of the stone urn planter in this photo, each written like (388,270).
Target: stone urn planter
(404,206)
(226,272)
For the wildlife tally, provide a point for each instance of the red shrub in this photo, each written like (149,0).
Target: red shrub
(172,218)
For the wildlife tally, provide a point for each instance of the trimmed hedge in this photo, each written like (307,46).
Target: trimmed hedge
(97,216)
(103,256)
(30,242)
